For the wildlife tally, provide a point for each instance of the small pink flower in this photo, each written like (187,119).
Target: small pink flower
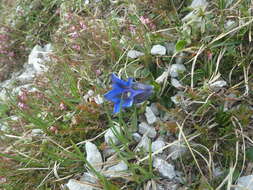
(98,72)
(58,11)
(72,28)
(62,106)
(53,129)
(82,25)
(23,97)
(22,106)
(75,35)
(69,16)
(152,25)
(209,55)
(132,29)
(76,47)
(144,20)
(11,54)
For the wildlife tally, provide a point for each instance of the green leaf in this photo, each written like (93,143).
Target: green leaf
(180,45)
(249,154)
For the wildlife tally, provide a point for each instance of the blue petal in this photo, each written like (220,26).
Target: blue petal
(128,103)
(121,83)
(116,108)
(111,95)
(135,93)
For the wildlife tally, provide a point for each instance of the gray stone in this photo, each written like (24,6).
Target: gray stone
(179,98)
(170,47)
(217,172)
(198,4)
(177,150)
(176,83)
(180,58)
(144,144)
(194,15)
(217,85)
(145,129)
(157,145)
(230,24)
(154,109)
(116,170)
(110,136)
(88,177)
(77,185)
(150,116)
(245,183)
(137,137)
(158,50)
(133,54)
(37,132)
(93,156)
(175,69)
(99,99)
(165,169)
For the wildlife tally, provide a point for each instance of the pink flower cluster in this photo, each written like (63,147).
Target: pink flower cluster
(146,21)
(5,42)
(23,99)
(75,30)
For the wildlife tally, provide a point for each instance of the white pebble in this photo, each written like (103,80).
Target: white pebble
(245,183)
(116,170)
(157,145)
(133,54)
(175,69)
(145,129)
(93,156)
(176,83)
(158,50)
(150,116)
(110,136)
(165,169)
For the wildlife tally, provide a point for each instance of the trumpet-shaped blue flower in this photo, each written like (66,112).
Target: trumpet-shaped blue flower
(126,93)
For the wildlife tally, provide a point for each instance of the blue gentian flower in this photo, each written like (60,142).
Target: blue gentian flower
(126,93)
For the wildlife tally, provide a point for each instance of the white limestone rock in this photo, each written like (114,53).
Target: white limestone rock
(175,69)
(177,150)
(137,137)
(170,47)
(158,50)
(110,136)
(157,145)
(146,129)
(176,83)
(198,4)
(165,169)
(150,116)
(245,183)
(99,99)
(217,85)
(37,132)
(77,185)
(143,144)
(133,54)
(116,170)
(93,156)
(88,177)
(154,109)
